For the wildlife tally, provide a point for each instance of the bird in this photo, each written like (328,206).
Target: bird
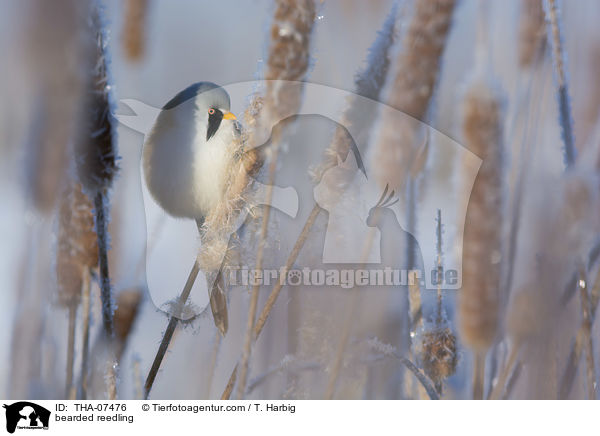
(185,161)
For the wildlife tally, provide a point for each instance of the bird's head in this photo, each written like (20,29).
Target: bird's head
(208,105)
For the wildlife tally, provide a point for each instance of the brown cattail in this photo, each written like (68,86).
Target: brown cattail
(77,243)
(479,298)
(134,29)
(128,303)
(55,50)
(410,89)
(96,150)
(288,56)
(532,33)
(587,114)
(96,153)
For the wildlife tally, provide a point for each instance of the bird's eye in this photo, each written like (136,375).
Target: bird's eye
(211,111)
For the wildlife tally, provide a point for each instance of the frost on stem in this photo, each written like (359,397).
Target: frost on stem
(96,150)
(367,83)
(562,93)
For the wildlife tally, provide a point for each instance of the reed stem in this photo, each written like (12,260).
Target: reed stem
(168,335)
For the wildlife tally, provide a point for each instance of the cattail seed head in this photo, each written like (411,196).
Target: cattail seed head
(532,33)
(55,49)
(438,353)
(77,243)
(96,150)
(128,303)
(134,30)
(410,89)
(479,297)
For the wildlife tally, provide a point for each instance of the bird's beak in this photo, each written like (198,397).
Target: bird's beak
(229,116)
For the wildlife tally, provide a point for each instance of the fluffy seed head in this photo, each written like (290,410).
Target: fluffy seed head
(479,296)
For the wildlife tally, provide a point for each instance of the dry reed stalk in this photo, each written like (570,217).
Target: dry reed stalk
(586,325)
(170,331)
(134,29)
(390,351)
(70,351)
(438,349)
(536,307)
(213,364)
(440,265)
(262,318)
(532,33)
(478,302)
(414,303)
(85,321)
(559,57)
(577,348)
(410,89)
(287,365)
(530,315)
(512,380)
(499,388)
(288,60)
(349,320)
(138,381)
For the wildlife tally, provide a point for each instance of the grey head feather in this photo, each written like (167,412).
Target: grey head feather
(217,96)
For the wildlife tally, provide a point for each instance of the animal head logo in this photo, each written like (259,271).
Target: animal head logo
(26,415)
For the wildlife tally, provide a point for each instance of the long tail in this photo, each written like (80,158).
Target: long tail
(218,297)
(218,304)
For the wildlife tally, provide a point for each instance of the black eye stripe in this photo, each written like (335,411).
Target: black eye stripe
(214,121)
